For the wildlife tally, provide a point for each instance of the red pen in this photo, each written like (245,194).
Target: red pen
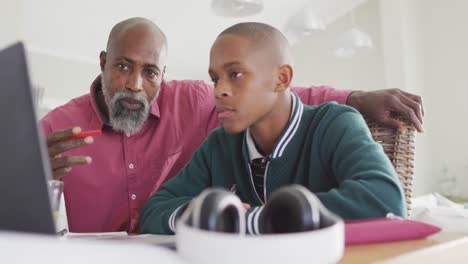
(87,134)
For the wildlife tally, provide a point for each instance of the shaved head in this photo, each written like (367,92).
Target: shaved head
(138,24)
(263,36)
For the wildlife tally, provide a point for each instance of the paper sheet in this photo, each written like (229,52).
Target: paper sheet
(437,210)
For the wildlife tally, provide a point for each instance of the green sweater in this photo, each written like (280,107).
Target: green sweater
(326,148)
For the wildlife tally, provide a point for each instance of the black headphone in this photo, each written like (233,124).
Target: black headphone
(217,210)
(289,209)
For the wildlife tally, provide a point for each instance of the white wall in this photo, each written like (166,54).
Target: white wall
(424,46)
(446,90)
(421,47)
(403,52)
(315,62)
(63,78)
(11,21)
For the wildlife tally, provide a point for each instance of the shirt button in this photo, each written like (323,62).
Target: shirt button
(131,166)
(133,196)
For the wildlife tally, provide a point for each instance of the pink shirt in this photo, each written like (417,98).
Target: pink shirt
(106,196)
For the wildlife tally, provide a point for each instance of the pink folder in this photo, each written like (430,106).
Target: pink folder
(385,230)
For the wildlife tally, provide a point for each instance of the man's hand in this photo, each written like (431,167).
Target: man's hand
(378,105)
(59,142)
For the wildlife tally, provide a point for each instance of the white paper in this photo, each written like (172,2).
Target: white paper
(27,248)
(156,240)
(437,210)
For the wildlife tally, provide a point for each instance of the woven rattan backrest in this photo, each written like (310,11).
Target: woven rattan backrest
(399,147)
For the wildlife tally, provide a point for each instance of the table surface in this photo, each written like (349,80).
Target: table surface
(368,253)
(383,251)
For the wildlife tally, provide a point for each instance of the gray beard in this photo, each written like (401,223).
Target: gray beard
(122,119)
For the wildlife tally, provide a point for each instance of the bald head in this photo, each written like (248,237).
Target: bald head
(265,37)
(139,26)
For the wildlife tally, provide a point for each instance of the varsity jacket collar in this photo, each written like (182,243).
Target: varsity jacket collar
(286,136)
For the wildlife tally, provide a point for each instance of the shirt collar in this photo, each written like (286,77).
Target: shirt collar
(98,117)
(286,136)
(155,106)
(253,152)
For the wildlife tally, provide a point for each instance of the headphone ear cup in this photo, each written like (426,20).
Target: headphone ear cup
(219,211)
(290,209)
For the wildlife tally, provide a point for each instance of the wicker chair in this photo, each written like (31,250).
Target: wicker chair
(399,147)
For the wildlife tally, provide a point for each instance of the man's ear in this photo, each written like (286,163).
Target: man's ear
(285,75)
(102,60)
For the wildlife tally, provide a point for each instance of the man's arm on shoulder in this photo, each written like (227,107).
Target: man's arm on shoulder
(316,95)
(379,105)
(161,211)
(367,183)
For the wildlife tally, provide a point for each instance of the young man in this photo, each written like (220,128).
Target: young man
(151,127)
(269,139)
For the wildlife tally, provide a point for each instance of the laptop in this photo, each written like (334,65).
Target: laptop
(24,164)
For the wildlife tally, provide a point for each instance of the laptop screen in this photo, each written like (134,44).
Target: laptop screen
(24,165)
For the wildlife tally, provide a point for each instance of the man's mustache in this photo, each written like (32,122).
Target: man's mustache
(123,95)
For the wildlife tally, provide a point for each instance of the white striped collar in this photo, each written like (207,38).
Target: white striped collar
(295,120)
(291,129)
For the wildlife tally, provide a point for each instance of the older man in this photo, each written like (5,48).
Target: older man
(151,128)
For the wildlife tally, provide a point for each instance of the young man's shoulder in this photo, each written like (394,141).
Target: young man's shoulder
(329,110)
(332,115)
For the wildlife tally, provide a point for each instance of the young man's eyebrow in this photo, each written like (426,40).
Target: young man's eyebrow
(226,65)
(232,63)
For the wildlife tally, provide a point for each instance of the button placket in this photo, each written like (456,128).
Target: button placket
(130,158)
